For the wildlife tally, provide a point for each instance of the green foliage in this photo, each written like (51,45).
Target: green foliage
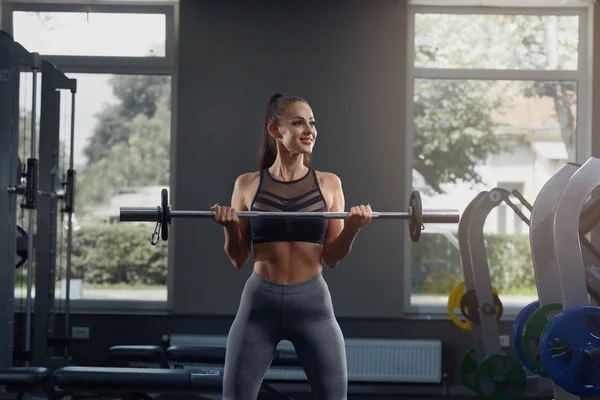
(137,95)
(131,144)
(118,254)
(454,129)
(496,41)
(454,119)
(509,261)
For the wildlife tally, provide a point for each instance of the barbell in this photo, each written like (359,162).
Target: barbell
(163,215)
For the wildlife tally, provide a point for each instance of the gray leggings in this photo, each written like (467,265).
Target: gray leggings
(301,313)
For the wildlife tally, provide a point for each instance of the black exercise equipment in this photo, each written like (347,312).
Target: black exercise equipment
(138,383)
(143,354)
(186,356)
(120,383)
(25,380)
(22,246)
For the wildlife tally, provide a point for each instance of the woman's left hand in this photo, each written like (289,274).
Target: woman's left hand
(358,217)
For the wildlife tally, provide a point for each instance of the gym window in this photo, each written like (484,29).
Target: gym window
(123,57)
(498,97)
(91,34)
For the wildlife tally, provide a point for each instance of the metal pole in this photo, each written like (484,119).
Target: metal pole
(46,221)
(9,100)
(33,152)
(70,204)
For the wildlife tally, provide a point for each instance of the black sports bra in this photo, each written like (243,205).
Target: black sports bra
(302,194)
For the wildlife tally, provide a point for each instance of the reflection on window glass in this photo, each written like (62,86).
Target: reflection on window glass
(91,34)
(519,42)
(121,155)
(473,136)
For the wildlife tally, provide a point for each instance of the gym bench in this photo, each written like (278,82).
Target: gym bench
(122,383)
(129,383)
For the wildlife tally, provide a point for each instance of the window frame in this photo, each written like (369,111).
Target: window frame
(95,62)
(166,65)
(584,98)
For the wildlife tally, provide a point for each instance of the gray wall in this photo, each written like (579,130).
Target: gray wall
(348,59)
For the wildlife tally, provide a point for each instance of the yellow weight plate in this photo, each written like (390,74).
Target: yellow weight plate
(454,298)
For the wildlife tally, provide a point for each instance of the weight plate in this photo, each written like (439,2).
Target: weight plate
(468,368)
(415,223)
(532,332)
(516,337)
(500,377)
(454,304)
(469,302)
(166,214)
(575,366)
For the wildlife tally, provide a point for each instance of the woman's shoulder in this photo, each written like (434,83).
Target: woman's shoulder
(247,179)
(328,178)
(248,176)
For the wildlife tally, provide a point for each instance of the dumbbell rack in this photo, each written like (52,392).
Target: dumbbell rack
(482,307)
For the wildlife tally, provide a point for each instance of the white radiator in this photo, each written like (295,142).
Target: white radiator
(369,360)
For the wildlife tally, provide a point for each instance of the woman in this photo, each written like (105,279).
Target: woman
(286,297)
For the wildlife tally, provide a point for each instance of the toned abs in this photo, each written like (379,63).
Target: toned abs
(286,262)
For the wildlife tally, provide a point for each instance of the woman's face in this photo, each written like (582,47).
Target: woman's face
(296,131)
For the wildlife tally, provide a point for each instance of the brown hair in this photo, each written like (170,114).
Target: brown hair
(268,147)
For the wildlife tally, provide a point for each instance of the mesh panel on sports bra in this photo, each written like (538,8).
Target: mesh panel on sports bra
(291,196)
(301,195)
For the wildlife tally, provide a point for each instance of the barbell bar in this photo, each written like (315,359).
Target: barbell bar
(416,216)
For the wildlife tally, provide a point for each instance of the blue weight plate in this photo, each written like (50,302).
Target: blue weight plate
(575,367)
(516,337)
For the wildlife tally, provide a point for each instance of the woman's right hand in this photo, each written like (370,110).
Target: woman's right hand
(225,216)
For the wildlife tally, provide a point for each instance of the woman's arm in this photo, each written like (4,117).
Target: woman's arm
(339,238)
(237,237)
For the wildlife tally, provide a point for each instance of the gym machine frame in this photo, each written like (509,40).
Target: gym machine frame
(42,195)
(531,321)
(15,59)
(541,240)
(482,307)
(42,378)
(573,366)
(590,218)
(52,189)
(566,227)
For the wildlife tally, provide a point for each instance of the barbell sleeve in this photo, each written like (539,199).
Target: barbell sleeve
(441,216)
(149,214)
(140,214)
